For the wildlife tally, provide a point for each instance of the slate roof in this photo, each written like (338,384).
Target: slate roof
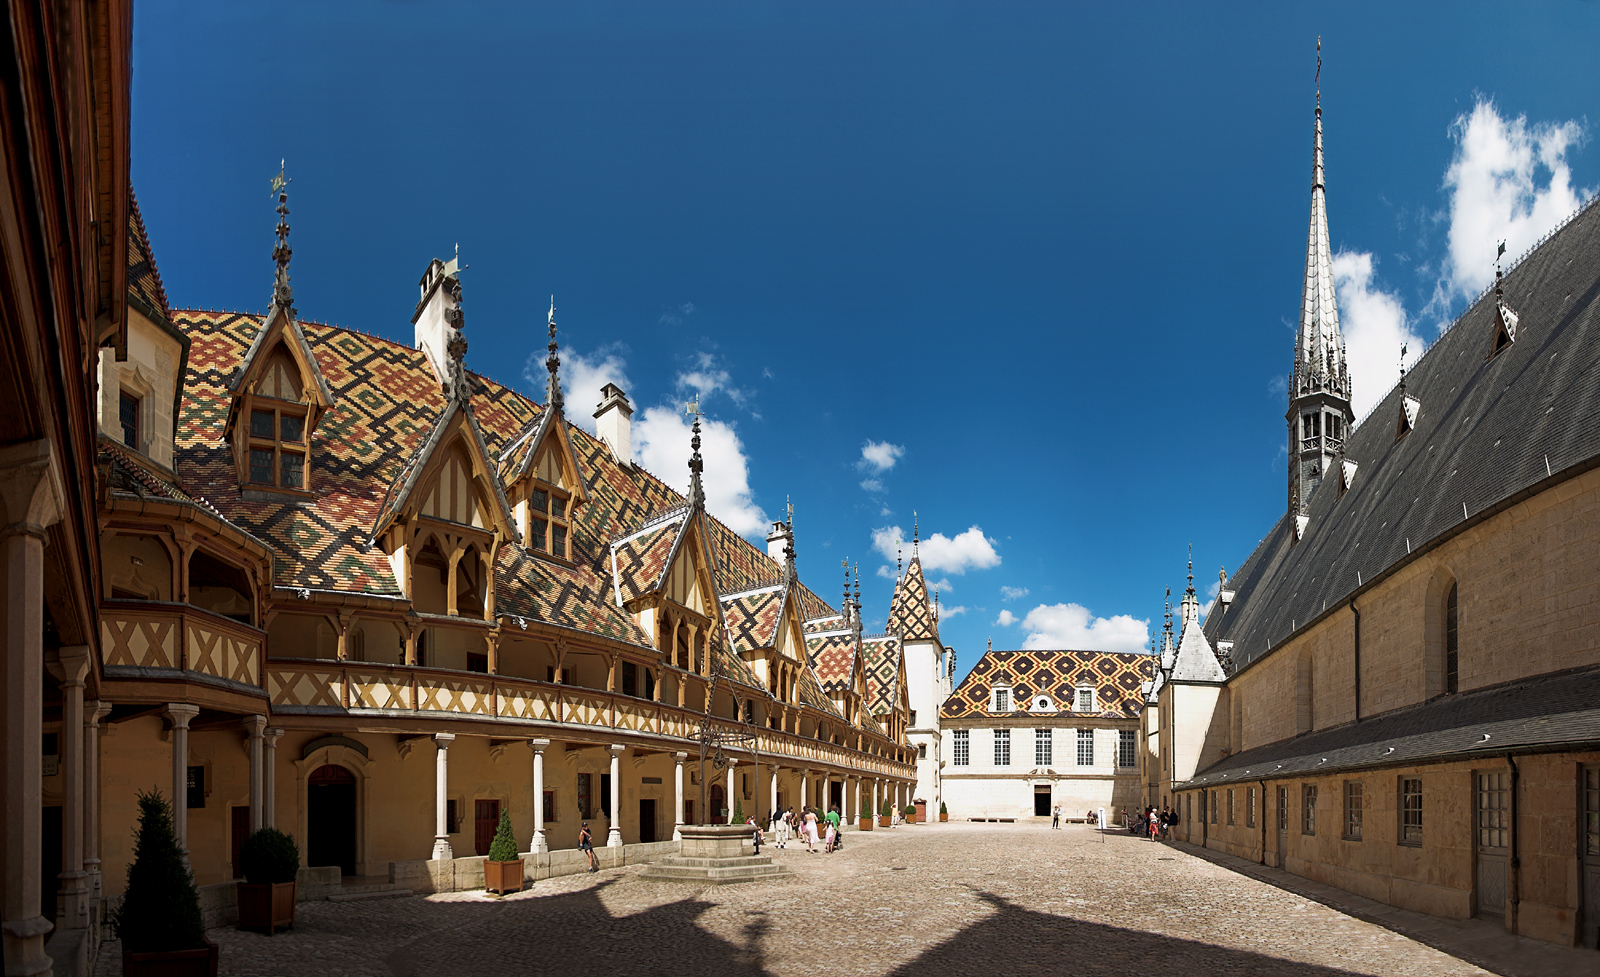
(1551,711)
(1115,675)
(1485,431)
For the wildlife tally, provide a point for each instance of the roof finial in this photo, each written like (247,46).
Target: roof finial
(858,588)
(1191,568)
(935,605)
(282,293)
(1402,368)
(1319,73)
(899,571)
(697,493)
(914,534)
(991,642)
(553,364)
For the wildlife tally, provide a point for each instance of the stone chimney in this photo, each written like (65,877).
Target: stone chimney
(612,422)
(779,542)
(438,318)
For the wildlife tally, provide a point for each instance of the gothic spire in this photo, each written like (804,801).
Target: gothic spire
(914,533)
(282,292)
(697,493)
(553,364)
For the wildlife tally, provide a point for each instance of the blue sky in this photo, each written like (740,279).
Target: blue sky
(1028,270)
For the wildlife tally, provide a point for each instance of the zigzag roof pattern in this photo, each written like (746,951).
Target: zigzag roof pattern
(910,611)
(881,659)
(1115,676)
(639,561)
(832,655)
(753,617)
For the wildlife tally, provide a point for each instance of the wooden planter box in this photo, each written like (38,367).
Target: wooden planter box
(177,963)
(864,824)
(944,815)
(885,820)
(268,906)
(502,877)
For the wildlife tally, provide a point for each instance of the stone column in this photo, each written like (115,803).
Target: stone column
(773,808)
(72,908)
(877,801)
(91,796)
(179,714)
(614,835)
(31,494)
(732,786)
(805,777)
(441,786)
(539,844)
(255,728)
(269,778)
(677,810)
(851,811)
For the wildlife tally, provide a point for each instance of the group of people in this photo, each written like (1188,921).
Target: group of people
(1153,824)
(806,825)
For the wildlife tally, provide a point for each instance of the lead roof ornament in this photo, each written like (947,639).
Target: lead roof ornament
(553,364)
(282,291)
(697,493)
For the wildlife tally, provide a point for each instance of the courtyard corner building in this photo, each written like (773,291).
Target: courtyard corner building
(1398,693)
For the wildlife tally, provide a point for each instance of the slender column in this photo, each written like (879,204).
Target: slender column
(72,908)
(269,778)
(179,714)
(773,807)
(614,836)
(677,810)
(852,811)
(255,728)
(540,845)
(732,786)
(805,777)
(30,494)
(91,796)
(441,786)
(877,802)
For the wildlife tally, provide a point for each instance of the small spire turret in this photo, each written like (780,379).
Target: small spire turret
(914,534)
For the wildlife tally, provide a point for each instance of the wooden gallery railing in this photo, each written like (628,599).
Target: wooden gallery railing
(179,637)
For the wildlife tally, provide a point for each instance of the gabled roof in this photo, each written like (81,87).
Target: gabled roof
(640,560)
(1116,677)
(1489,429)
(1195,660)
(144,279)
(517,461)
(753,617)
(457,416)
(910,610)
(832,656)
(279,323)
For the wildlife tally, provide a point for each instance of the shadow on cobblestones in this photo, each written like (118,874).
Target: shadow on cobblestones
(1019,942)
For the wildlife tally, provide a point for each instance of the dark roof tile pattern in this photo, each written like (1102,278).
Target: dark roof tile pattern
(832,656)
(911,611)
(753,618)
(640,562)
(144,278)
(1550,711)
(881,659)
(1488,428)
(1116,677)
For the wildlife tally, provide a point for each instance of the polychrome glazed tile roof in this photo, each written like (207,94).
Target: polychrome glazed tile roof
(910,611)
(832,655)
(753,617)
(1115,676)
(881,658)
(144,279)
(639,561)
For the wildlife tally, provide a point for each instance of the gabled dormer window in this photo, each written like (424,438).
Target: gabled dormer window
(279,395)
(277,444)
(1085,700)
(549,520)
(1410,407)
(1505,329)
(1001,700)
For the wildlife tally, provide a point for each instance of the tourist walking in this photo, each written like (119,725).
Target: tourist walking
(586,845)
(811,830)
(1155,825)
(1055,820)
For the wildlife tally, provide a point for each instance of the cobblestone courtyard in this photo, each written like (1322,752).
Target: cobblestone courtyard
(949,899)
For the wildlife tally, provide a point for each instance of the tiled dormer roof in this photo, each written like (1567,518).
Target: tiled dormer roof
(1489,428)
(832,655)
(1115,676)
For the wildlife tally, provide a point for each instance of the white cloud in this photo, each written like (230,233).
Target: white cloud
(1496,193)
(661,444)
(970,550)
(674,314)
(1072,626)
(1375,326)
(1006,619)
(948,611)
(581,379)
(886,573)
(872,485)
(879,456)
(1013,593)
(708,377)
(942,584)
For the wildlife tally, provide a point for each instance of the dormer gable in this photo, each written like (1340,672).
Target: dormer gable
(1505,328)
(277,396)
(1347,475)
(1410,410)
(663,575)
(544,485)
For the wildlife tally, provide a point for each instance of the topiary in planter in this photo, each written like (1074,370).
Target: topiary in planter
(269,857)
(910,813)
(888,810)
(160,909)
(504,846)
(943,809)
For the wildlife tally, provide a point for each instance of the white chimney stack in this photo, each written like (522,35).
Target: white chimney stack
(438,316)
(779,541)
(613,424)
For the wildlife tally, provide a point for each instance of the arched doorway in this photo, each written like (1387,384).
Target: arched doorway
(331,818)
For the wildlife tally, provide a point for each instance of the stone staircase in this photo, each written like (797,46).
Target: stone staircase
(714,854)
(373,890)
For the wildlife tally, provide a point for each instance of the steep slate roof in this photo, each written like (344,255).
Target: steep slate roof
(1116,677)
(910,610)
(1194,661)
(1562,709)
(881,658)
(1486,430)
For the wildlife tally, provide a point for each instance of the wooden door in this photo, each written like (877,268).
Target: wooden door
(485,819)
(1491,811)
(1283,824)
(1590,847)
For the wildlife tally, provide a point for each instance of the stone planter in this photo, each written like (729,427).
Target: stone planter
(174,963)
(266,905)
(502,877)
(864,824)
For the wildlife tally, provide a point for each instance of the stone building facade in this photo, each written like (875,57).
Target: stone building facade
(1027,730)
(1399,691)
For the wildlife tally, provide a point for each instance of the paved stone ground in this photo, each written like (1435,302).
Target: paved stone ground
(934,900)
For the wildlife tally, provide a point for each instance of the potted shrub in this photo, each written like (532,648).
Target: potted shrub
(911,814)
(944,812)
(886,815)
(271,863)
(159,922)
(502,870)
(865,822)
